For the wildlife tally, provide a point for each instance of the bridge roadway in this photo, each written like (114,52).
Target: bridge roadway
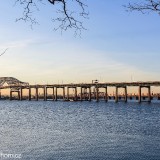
(81,96)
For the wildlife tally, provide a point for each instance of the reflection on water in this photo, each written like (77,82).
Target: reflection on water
(80,130)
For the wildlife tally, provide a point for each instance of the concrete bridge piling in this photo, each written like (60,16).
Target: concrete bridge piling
(82,91)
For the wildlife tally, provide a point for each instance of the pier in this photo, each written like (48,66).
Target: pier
(82,91)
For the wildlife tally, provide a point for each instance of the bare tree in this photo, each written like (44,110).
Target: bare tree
(3,52)
(67,19)
(145,6)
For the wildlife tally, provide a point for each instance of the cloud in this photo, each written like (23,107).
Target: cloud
(22,43)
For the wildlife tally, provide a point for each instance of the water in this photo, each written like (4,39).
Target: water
(80,130)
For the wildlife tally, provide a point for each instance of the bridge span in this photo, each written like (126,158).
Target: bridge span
(87,91)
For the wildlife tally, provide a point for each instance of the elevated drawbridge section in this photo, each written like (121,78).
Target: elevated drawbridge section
(11,81)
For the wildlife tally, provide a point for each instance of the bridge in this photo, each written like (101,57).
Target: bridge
(87,91)
(11,81)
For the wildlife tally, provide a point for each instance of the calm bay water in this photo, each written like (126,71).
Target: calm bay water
(80,130)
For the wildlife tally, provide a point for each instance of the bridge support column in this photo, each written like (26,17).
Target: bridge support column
(18,95)
(116,95)
(81,98)
(83,94)
(149,94)
(10,97)
(75,96)
(139,96)
(56,94)
(29,94)
(106,95)
(125,94)
(64,96)
(53,94)
(89,98)
(67,93)
(45,93)
(97,94)
(21,94)
(36,94)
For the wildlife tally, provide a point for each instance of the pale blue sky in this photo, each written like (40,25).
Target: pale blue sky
(118,46)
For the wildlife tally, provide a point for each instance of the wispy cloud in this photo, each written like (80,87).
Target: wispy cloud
(22,43)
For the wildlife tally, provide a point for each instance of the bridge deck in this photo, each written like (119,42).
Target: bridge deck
(87,92)
(72,85)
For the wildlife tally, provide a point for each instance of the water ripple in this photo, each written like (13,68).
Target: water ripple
(80,130)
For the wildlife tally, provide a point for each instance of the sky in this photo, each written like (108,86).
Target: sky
(118,46)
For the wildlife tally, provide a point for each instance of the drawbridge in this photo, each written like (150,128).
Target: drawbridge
(11,81)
